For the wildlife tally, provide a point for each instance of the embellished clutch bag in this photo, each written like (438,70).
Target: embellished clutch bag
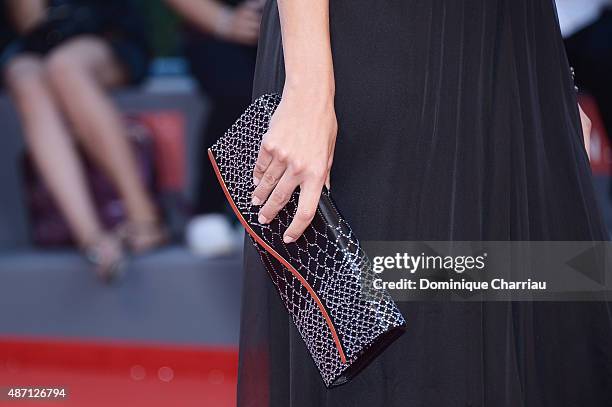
(324,279)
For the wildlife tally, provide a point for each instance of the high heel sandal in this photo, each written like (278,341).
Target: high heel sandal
(107,255)
(141,237)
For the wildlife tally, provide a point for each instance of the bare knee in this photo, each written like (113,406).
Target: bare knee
(24,75)
(83,57)
(26,80)
(62,67)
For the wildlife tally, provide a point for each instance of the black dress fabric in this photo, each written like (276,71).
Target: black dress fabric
(457,121)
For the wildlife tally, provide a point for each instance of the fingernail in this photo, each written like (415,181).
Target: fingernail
(255,181)
(262,219)
(288,239)
(256,201)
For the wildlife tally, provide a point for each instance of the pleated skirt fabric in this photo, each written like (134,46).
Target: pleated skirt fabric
(457,121)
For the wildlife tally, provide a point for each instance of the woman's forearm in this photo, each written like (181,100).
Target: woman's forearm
(306,46)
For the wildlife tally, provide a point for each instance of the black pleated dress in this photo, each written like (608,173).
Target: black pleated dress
(457,121)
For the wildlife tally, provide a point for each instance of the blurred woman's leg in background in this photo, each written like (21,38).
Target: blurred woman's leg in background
(56,158)
(80,72)
(49,142)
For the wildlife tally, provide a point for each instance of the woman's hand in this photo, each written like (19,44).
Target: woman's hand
(586,130)
(240,24)
(297,151)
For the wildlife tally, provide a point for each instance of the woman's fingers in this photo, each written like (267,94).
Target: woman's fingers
(278,198)
(268,181)
(261,165)
(310,192)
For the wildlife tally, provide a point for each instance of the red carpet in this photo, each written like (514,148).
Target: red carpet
(119,373)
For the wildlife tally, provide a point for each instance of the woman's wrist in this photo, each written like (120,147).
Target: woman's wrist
(223,21)
(319,87)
